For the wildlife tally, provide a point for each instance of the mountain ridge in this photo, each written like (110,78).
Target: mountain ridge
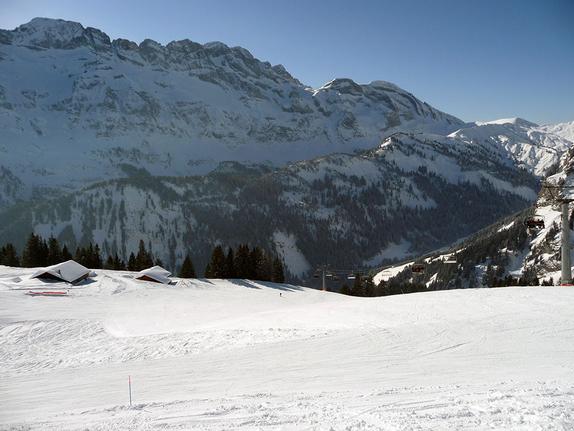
(175,109)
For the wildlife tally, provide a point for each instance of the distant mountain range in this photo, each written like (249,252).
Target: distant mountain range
(77,107)
(189,145)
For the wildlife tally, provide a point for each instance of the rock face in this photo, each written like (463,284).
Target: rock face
(75,107)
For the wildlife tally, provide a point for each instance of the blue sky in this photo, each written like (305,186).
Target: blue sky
(476,59)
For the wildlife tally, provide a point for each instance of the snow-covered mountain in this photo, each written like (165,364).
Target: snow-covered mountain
(532,147)
(188,145)
(414,192)
(565,130)
(505,249)
(77,107)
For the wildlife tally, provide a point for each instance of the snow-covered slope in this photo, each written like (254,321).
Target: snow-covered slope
(344,209)
(76,107)
(566,130)
(215,354)
(505,249)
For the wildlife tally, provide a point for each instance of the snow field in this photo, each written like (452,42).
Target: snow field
(217,354)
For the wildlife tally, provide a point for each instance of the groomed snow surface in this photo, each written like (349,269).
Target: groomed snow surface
(212,355)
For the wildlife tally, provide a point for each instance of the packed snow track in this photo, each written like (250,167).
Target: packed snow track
(217,354)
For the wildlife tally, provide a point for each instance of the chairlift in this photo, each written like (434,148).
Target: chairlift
(418,268)
(316,275)
(351,277)
(534,223)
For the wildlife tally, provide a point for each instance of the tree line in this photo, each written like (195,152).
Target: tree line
(40,252)
(243,262)
(364,286)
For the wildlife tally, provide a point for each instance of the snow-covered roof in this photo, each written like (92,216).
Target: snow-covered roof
(155,273)
(69,271)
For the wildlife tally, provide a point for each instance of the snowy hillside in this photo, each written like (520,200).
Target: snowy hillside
(212,355)
(76,107)
(505,249)
(344,209)
(566,130)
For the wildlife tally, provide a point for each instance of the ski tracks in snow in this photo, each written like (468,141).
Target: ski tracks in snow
(541,406)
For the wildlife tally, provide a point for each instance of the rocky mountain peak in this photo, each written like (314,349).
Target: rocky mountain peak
(49,33)
(343,85)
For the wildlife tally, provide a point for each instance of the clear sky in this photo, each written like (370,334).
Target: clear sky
(476,59)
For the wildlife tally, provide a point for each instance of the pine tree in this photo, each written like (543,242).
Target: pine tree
(230,264)
(357,289)
(368,287)
(54,252)
(80,256)
(266,273)
(216,266)
(345,290)
(158,262)
(278,275)
(187,270)
(489,276)
(132,264)
(96,258)
(89,256)
(8,256)
(109,263)
(114,263)
(256,264)
(144,259)
(35,252)
(66,255)
(43,252)
(119,264)
(207,271)
(242,262)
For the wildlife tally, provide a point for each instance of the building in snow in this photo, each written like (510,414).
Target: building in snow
(156,274)
(69,271)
